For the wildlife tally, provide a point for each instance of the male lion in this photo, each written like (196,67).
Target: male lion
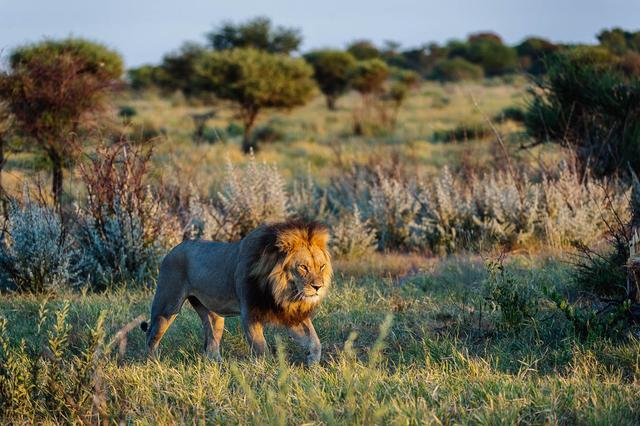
(277,274)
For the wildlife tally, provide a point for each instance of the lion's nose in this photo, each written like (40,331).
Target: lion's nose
(317,287)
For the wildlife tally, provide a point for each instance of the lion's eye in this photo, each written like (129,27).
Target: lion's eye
(322,267)
(303,268)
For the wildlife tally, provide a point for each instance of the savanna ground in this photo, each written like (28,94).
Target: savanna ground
(407,338)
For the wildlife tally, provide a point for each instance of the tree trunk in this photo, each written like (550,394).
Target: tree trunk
(331,102)
(56,184)
(247,144)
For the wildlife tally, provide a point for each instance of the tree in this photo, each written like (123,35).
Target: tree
(331,71)
(257,33)
(533,52)
(255,80)
(363,49)
(456,69)
(53,88)
(368,76)
(177,71)
(494,57)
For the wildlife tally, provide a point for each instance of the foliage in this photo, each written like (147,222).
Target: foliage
(352,237)
(533,53)
(363,50)
(257,33)
(494,57)
(601,125)
(178,70)
(124,228)
(255,80)
(36,252)
(331,70)
(463,133)
(369,75)
(516,301)
(456,69)
(52,88)
(249,197)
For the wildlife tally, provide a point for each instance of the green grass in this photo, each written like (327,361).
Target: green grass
(403,345)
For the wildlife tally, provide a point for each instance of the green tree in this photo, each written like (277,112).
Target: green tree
(52,88)
(456,69)
(494,57)
(363,50)
(331,71)
(368,76)
(255,80)
(177,71)
(533,52)
(257,33)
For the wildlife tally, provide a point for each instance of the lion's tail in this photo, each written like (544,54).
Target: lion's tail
(144,326)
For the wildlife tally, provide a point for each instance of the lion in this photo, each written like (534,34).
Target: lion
(278,274)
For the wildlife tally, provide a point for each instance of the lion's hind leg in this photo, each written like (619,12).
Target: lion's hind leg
(212,325)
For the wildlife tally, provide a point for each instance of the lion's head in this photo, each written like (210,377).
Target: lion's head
(291,271)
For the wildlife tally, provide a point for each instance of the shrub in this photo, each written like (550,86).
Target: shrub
(127,112)
(268,133)
(514,299)
(456,69)
(124,228)
(494,57)
(352,237)
(514,114)
(35,253)
(533,53)
(463,133)
(250,196)
(601,125)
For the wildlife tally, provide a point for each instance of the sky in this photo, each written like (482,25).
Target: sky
(144,30)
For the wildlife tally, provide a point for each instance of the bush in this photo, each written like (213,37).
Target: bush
(463,133)
(514,114)
(36,253)
(352,237)
(127,113)
(601,125)
(124,228)
(249,197)
(456,69)
(514,299)
(268,133)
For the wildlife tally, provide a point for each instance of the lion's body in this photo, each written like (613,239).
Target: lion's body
(252,278)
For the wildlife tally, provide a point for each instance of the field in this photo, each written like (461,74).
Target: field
(418,337)
(400,346)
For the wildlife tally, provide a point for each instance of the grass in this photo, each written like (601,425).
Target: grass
(403,346)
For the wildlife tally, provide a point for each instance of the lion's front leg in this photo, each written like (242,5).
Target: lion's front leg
(306,336)
(255,336)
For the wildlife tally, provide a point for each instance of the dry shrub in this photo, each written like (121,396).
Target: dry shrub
(124,227)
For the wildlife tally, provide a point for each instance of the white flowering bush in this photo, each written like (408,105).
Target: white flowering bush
(35,251)
(352,237)
(250,196)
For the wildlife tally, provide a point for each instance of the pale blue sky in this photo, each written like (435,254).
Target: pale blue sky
(143,30)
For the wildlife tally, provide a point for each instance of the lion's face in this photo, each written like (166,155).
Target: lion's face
(303,273)
(308,274)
